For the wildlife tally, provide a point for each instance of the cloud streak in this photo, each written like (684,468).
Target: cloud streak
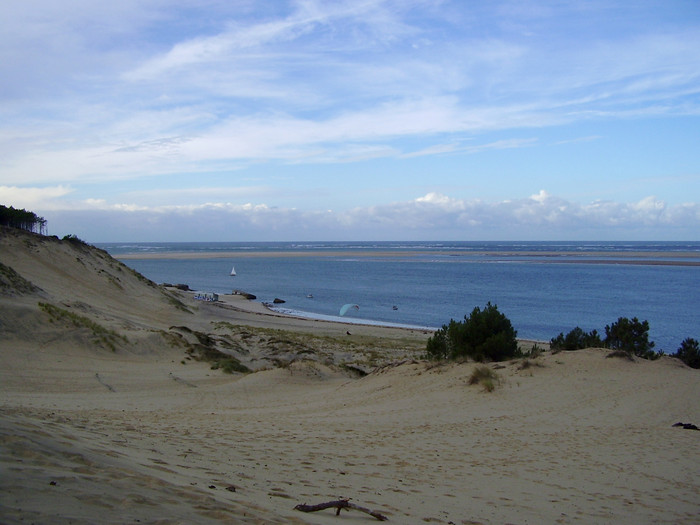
(205,92)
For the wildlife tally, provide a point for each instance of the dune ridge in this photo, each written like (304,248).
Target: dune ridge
(138,427)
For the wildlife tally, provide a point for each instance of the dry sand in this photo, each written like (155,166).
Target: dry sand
(91,435)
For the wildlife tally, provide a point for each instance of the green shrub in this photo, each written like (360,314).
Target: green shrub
(631,336)
(75,241)
(437,346)
(689,352)
(576,339)
(485,335)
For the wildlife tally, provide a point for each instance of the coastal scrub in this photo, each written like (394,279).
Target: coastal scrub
(485,335)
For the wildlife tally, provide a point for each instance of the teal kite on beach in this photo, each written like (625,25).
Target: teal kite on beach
(347,307)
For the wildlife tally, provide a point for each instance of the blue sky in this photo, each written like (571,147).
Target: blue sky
(240,120)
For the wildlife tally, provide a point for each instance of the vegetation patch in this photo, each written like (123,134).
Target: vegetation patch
(76,242)
(689,352)
(230,365)
(484,376)
(631,336)
(626,338)
(12,283)
(527,364)
(533,352)
(173,339)
(177,303)
(285,345)
(21,219)
(622,354)
(206,349)
(354,370)
(102,336)
(486,335)
(576,339)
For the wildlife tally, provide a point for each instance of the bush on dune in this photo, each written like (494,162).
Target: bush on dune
(689,352)
(485,335)
(625,337)
(631,336)
(576,339)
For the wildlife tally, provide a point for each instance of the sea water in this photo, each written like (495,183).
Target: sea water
(543,288)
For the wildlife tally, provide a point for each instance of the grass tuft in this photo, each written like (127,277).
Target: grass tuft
(484,376)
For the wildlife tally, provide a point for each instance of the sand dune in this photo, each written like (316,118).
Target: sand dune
(145,432)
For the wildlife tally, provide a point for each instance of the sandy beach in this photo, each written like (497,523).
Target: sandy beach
(111,411)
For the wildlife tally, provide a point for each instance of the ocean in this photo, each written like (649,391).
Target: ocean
(544,288)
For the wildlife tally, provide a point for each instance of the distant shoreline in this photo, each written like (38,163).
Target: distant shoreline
(645,258)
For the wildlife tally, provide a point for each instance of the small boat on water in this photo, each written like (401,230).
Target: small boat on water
(233,271)
(310,296)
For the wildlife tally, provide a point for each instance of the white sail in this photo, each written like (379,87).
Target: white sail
(233,272)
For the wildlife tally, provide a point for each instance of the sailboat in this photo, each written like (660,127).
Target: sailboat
(233,271)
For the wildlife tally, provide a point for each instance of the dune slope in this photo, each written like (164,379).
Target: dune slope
(93,433)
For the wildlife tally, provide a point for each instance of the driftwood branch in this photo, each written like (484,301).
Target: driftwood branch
(101,381)
(340,504)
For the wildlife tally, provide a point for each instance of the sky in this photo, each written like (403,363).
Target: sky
(292,120)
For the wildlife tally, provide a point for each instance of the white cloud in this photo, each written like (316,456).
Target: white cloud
(366,17)
(438,149)
(352,136)
(31,197)
(432,216)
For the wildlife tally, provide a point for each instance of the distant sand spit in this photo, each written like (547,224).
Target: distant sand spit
(636,258)
(141,432)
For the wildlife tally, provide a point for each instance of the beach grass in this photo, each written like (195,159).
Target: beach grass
(484,376)
(102,336)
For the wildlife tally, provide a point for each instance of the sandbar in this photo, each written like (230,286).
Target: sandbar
(599,257)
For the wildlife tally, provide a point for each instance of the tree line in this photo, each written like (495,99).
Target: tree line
(488,335)
(22,219)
